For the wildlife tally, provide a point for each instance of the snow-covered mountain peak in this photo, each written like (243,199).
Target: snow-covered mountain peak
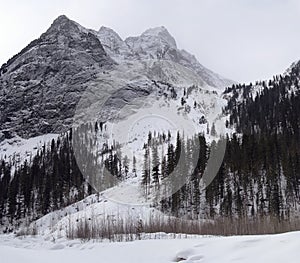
(106,31)
(63,23)
(154,43)
(61,19)
(157,44)
(113,44)
(160,33)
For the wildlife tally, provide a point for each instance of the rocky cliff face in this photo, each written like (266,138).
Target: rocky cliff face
(40,86)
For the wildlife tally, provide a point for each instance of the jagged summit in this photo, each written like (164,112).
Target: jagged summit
(65,26)
(113,44)
(61,19)
(155,30)
(153,43)
(106,30)
(161,33)
(61,22)
(157,43)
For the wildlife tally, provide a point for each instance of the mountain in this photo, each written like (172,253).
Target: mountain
(41,85)
(70,73)
(157,43)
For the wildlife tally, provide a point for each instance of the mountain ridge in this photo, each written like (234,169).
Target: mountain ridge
(42,84)
(156,43)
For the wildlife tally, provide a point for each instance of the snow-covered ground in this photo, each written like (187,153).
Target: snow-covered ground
(21,149)
(245,249)
(97,208)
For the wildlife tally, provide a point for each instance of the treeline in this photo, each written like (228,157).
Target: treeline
(64,171)
(259,177)
(260,173)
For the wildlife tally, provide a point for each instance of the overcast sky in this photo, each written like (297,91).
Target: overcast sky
(245,40)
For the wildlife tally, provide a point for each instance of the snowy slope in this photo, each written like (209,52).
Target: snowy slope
(162,115)
(193,110)
(16,150)
(95,207)
(244,249)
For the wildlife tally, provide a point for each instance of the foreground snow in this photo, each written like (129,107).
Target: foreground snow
(270,248)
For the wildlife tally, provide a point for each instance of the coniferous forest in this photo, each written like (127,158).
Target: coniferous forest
(259,176)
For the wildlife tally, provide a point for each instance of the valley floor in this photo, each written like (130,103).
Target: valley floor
(245,249)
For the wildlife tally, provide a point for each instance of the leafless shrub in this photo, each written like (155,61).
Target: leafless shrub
(119,229)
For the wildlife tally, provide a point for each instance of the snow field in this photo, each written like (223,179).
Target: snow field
(245,249)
